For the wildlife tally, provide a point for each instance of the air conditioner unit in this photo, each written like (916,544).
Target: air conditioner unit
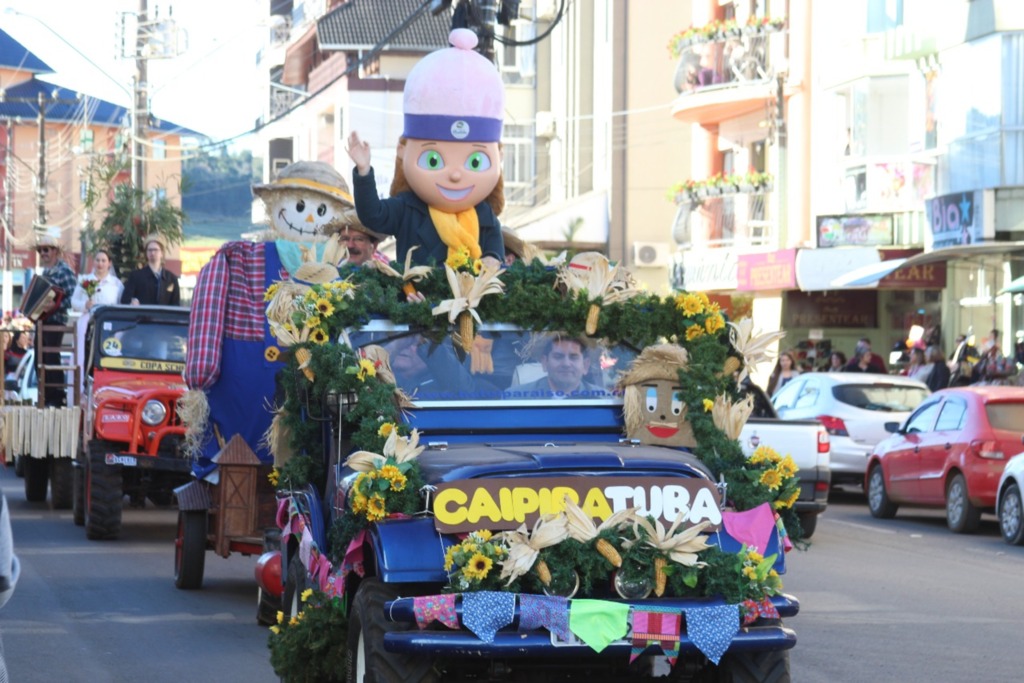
(544,123)
(652,254)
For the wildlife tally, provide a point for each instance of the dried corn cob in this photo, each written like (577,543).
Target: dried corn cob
(409,288)
(609,552)
(660,577)
(304,355)
(732,364)
(543,572)
(592,316)
(466,330)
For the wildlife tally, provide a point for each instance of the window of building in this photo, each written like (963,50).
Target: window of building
(518,165)
(518,62)
(159,149)
(85,138)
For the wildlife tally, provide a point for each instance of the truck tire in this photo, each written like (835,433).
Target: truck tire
(104,502)
(962,517)
(37,473)
(296,581)
(61,483)
(190,549)
(367,661)
(78,495)
(770,666)
(1011,515)
(808,523)
(878,500)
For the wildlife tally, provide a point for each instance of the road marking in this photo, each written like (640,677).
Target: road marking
(99,549)
(855,525)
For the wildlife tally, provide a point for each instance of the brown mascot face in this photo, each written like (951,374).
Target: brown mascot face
(664,420)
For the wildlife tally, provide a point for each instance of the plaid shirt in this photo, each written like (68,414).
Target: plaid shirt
(227,303)
(61,275)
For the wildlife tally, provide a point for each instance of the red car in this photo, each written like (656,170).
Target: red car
(950,452)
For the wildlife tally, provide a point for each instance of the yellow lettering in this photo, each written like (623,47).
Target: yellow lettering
(544,504)
(483,506)
(524,501)
(558,495)
(507,509)
(596,505)
(450,497)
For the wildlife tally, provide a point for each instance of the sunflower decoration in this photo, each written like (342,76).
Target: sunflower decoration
(472,564)
(703,318)
(470,281)
(592,277)
(387,483)
(667,545)
(410,275)
(765,476)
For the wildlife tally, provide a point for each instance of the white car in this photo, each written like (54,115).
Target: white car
(1009,505)
(853,407)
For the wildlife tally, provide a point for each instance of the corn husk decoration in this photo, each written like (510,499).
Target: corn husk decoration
(681,548)
(524,547)
(323,270)
(411,274)
(468,290)
(286,300)
(730,417)
(753,347)
(381,359)
(287,335)
(401,448)
(601,284)
(581,527)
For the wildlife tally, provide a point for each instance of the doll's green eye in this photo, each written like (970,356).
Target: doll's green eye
(478,161)
(430,160)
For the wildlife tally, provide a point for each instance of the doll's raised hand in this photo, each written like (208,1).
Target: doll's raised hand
(359,151)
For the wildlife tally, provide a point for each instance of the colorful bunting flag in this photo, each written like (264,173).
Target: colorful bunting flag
(598,623)
(547,611)
(427,608)
(712,629)
(485,612)
(656,628)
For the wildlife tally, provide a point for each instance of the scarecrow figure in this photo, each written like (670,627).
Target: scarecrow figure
(654,413)
(232,355)
(448,189)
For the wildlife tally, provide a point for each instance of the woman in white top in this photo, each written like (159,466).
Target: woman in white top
(108,286)
(108,292)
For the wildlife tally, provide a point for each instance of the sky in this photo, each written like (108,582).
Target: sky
(211,87)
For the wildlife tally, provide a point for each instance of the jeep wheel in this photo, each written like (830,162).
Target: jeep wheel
(808,523)
(962,517)
(61,483)
(367,661)
(37,473)
(770,666)
(78,495)
(190,549)
(1011,515)
(104,502)
(878,500)
(295,583)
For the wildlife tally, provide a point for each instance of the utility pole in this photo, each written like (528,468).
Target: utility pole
(8,231)
(41,167)
(488,15)
(140,116)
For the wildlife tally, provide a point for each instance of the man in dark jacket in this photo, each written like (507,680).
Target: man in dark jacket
(152,283)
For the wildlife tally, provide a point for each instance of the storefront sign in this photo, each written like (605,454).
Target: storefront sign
(834,309)
(955,219)
(817,268)
(498,504)
(925,276)
(774,270)
(860,230)
(709,269)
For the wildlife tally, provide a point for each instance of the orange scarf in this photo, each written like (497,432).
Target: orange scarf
(457,230)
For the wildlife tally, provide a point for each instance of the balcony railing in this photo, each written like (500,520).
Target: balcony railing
(730,60)
(730,220)
(281,100)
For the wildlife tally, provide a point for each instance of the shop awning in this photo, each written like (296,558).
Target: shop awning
(868,275)
(1015,287)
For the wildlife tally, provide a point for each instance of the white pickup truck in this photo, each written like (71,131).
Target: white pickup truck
(808,444)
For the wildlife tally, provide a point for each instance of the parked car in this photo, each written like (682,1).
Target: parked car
(853,407)
(950,452)
(1009,504)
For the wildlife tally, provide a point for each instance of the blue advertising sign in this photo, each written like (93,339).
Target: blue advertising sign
(955,219)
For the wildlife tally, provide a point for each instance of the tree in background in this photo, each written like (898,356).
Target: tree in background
(129,216)
(219,196)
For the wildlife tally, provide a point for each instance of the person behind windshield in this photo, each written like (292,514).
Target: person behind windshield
(426,370)
(566,362)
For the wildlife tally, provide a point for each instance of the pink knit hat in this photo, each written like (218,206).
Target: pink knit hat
(455,94)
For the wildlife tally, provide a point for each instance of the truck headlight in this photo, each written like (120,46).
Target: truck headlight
(153,413)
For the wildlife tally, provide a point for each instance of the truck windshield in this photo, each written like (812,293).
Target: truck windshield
(141,345)
(504,364)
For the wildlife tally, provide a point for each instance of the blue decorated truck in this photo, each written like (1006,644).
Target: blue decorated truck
(466,512)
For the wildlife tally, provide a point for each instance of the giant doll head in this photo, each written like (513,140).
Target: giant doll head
(449,154)
(305,199)
(654,413)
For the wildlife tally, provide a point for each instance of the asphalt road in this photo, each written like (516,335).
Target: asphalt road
(108,612)
(905,600)
(881,600)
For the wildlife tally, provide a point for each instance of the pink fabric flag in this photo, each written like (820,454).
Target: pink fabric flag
(427,608)
(752,527)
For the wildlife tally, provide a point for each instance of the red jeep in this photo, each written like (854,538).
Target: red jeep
(132,435)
